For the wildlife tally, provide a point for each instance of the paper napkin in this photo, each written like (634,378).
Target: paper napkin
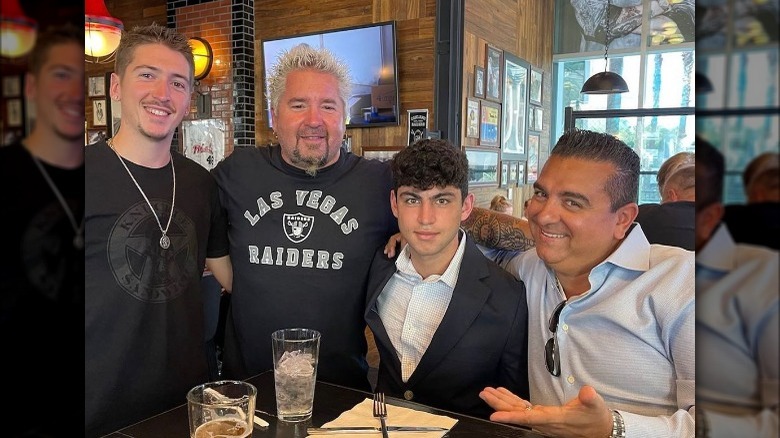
(362,415)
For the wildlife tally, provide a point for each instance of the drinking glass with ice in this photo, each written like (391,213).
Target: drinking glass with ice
(296,352)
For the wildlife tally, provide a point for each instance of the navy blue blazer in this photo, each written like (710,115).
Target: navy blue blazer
(481,341)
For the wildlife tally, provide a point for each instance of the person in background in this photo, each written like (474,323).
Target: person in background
(758,222)
(761,178)
(446,320)
(611,317)
(676,178)
(42,268)
(737,319)
(672,221)
(500,204)
(305,218)
(153,223)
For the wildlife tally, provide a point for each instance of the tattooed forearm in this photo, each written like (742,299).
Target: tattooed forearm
(498,230)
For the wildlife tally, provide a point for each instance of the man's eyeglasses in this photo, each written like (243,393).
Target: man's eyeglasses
(552,356)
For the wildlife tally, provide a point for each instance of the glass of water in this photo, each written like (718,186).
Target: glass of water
(296,352)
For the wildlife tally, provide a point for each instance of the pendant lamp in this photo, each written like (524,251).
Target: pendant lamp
(605,82)
(17,31)
(102,32)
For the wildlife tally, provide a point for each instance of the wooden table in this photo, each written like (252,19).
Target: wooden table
(329,402)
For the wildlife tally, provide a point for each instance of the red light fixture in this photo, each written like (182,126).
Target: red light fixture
(17,31)
(102,32)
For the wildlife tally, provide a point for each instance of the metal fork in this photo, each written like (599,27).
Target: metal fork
(380,411)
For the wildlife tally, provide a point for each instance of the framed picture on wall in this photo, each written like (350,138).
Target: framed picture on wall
(518,173)
(538,118)
(99,112)
(346,143)
(472,118)
(489,127)
(204,141)
(12,86)
(533,158)
(483,166)
(536,86)
(380,153)
(504,177)
(95,135)
(479,82)
(114,116)
(14,113)
(96,86)
(515,108)
(493,60)
(514,173)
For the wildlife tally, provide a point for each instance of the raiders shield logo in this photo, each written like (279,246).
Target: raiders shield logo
(297,226)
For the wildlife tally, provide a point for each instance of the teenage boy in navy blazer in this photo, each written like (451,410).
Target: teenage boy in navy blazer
(447,321)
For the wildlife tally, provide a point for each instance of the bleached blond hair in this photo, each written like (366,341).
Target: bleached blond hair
(306,57)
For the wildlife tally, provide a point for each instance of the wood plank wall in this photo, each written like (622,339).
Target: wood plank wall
(415,21)
(522,27)
(525,29)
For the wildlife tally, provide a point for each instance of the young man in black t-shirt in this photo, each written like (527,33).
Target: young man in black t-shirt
(153,222)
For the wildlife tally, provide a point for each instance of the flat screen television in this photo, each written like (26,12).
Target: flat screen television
(370,53)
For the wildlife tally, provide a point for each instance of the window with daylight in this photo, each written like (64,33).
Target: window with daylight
(651,45)
(738,53)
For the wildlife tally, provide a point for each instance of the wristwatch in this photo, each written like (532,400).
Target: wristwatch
(618,426)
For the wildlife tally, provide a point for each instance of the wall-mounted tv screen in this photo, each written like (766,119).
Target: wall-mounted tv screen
(370,53)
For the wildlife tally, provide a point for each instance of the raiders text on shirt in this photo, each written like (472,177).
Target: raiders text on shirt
(326,207)
(297,227)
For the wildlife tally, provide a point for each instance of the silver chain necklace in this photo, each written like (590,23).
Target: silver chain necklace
(78,229)
(165,241)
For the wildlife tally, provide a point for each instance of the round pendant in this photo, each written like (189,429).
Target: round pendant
(165,242)
(78,241)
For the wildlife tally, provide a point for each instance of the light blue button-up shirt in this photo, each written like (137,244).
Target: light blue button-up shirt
(630,336)
(737,329)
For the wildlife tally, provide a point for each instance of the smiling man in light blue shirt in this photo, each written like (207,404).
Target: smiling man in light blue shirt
(611,317)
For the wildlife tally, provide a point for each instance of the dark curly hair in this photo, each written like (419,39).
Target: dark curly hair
(431,163)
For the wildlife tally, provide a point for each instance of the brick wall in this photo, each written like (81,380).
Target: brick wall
(227,26)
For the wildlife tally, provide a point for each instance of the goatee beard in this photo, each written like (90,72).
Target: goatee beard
(310,165)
